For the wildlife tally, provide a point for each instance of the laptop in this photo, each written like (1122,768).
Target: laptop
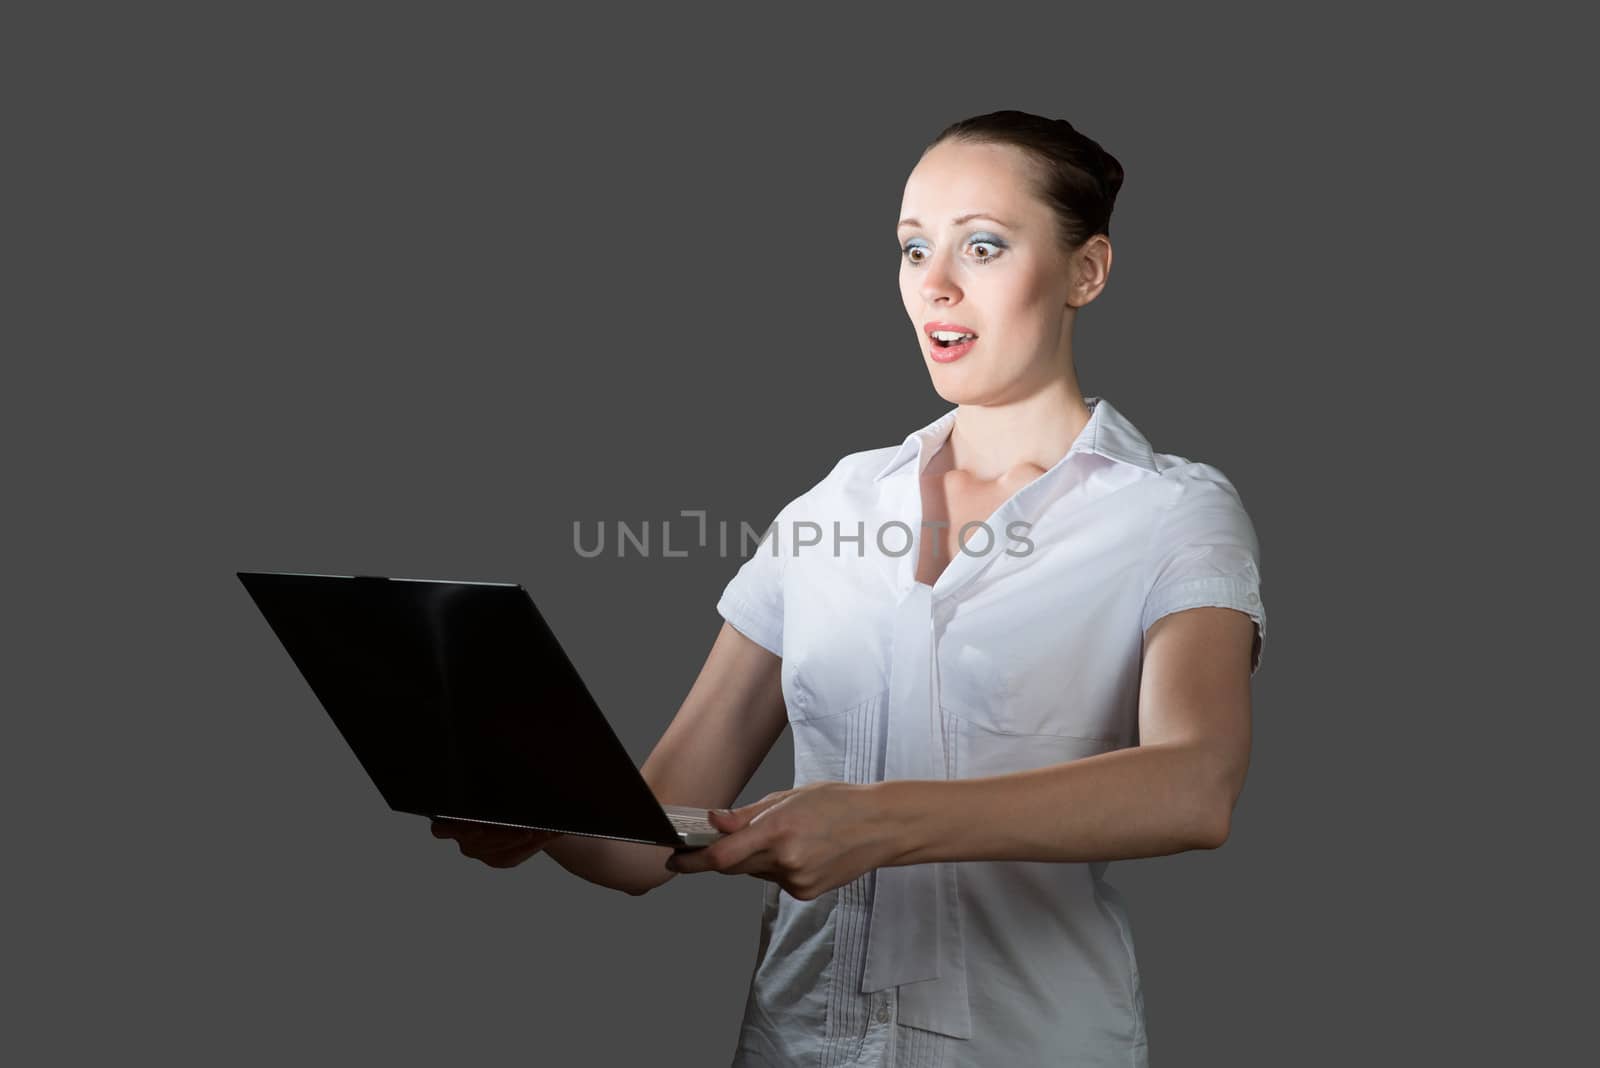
(460,704)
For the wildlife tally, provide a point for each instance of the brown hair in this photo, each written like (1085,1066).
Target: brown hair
(1077,178)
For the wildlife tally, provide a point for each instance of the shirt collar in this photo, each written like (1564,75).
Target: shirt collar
(1108,432)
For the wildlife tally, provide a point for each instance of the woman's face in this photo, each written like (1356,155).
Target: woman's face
(981,254)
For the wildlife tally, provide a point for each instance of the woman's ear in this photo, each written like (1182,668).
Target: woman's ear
(1091,267)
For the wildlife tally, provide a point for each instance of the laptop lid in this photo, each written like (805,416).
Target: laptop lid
(460,703)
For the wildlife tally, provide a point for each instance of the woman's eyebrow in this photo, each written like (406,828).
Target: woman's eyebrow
(958,220)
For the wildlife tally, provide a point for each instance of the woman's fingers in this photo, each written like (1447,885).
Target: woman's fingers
(464,830)
(514,853)
(499,847)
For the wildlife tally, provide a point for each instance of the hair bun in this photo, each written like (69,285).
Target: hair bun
(1111,173)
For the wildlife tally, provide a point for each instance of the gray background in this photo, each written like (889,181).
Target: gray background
(409,289)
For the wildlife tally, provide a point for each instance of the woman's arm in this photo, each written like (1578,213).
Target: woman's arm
(1173,792)
(722,732)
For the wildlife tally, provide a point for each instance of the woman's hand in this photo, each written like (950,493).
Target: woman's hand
(807,840)
(496,846)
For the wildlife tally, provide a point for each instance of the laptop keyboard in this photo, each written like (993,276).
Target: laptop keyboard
(688,818)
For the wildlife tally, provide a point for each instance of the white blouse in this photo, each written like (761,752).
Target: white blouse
(1025,653)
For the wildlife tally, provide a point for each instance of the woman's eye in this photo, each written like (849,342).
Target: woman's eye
(988,251)
(993,244)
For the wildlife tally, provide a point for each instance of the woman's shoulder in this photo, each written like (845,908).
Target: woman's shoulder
(851,472)
(843,491)
(1198,504)
(1193,481)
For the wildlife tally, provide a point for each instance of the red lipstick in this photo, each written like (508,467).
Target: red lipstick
(950,348)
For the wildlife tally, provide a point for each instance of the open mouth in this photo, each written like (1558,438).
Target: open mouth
(949,339)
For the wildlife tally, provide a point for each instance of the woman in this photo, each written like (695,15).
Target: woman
(1057,676)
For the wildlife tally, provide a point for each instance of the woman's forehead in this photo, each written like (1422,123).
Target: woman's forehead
(946,185)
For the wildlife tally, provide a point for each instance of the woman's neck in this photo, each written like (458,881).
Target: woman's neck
(1020,440)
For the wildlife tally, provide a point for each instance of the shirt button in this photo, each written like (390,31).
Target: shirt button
(883,1013)
(1252,598)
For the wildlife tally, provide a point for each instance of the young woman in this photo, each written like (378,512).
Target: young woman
(1013,648)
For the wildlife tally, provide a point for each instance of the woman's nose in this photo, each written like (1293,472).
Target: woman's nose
(938,280)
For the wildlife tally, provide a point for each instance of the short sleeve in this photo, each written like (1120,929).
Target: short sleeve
(752,601)
(1205,553)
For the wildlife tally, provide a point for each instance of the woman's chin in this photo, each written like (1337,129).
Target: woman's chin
(953,390)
